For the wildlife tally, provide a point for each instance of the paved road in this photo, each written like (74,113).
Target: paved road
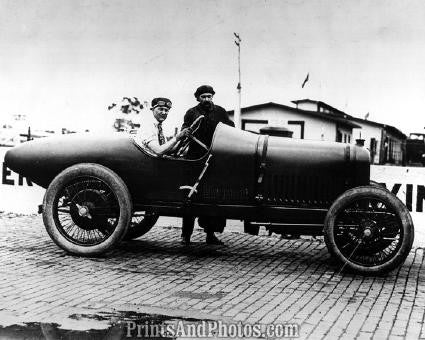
(253,279)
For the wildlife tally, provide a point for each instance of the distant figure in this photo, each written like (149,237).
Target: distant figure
(213,114)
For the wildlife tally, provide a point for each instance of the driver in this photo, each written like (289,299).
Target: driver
(151,134)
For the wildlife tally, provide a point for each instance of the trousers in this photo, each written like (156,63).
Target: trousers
(210,224)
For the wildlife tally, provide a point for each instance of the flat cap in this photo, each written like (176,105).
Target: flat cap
(204,89)
(161,101)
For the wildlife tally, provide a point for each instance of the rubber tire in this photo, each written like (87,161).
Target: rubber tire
(403,213)
(376,184)
(118,187)
(141,228)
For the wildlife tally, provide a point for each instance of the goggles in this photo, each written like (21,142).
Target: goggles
(162,103)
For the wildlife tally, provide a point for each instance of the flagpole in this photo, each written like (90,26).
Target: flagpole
(305,80)
(237,117)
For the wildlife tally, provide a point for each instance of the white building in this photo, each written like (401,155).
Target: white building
(305,124)
(387,144)
(316,120)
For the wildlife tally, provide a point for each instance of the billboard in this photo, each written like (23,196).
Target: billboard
(17,193)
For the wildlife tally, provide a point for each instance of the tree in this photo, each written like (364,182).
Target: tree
(126,110)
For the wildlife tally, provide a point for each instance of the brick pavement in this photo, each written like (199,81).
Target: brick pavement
(253,279)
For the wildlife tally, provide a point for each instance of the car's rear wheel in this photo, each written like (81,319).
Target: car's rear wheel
(140,224)
(87,209)
(377,184)
(369,230)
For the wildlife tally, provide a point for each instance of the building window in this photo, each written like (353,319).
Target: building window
(297,127)
(253,125)
(372,149)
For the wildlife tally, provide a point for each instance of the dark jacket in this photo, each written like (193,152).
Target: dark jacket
(205,133)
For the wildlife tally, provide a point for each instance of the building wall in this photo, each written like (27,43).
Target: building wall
(369,132)
(314,128)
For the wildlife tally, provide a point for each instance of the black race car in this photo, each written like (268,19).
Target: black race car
(101,190)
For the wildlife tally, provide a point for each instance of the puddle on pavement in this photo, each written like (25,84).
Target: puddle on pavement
(108,326)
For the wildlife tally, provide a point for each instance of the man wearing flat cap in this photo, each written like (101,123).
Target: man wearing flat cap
(151,134)
(213,114)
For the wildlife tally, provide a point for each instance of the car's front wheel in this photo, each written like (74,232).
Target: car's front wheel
(369,230)
(87,209)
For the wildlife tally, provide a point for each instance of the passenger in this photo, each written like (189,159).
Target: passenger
(151,134)
(213,114)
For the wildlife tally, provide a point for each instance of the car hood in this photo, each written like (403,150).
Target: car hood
(41,160)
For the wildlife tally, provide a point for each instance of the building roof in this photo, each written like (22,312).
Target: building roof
(315,114)
(305,100)
(386,127)
(320,104)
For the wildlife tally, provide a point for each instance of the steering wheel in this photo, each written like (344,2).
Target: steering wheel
(184,143)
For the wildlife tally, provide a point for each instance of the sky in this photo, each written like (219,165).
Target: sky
(62,62)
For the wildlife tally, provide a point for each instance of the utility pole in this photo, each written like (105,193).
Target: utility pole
(237,117)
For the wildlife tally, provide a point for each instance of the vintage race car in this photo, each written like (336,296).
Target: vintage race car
(101,190)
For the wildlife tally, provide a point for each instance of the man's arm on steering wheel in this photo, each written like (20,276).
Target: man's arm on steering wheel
(169,145)
(183,145)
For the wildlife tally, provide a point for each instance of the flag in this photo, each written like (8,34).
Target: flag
(305,80)
(237,42)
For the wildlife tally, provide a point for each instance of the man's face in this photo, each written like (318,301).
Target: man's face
(160,113)
(206,99)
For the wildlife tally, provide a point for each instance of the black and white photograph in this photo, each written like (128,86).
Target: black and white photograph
(206,169)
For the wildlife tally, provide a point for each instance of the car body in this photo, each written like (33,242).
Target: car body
(287,185)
